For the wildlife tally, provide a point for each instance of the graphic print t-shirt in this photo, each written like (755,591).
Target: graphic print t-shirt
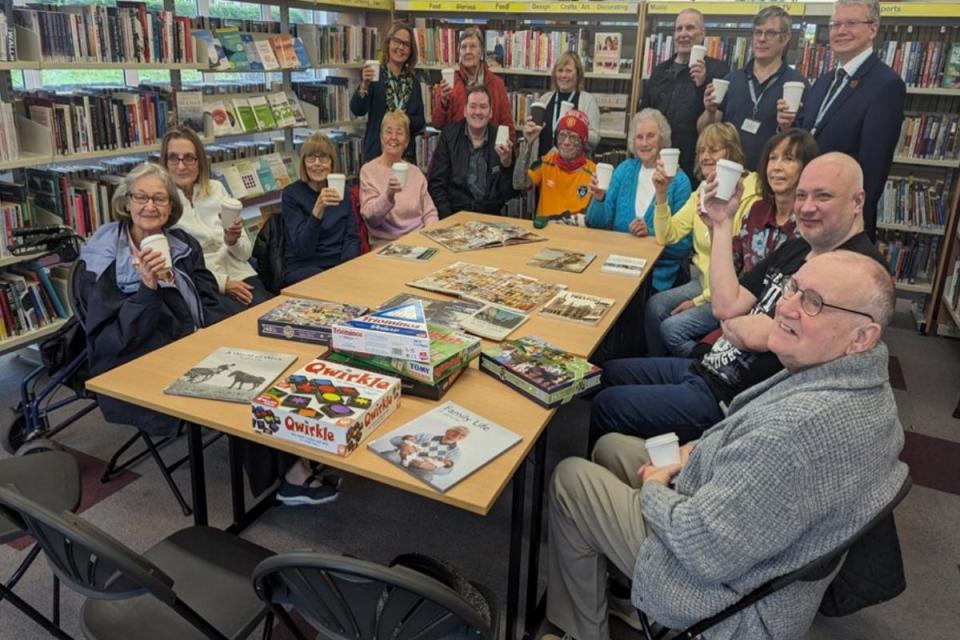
(729,370)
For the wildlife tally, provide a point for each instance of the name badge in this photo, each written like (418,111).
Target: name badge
(750,125)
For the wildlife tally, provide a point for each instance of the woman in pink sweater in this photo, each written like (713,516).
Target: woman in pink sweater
(392,208)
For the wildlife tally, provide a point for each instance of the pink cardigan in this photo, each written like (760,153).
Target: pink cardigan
(412,208)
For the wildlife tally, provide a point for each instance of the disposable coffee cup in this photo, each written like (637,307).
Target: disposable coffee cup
(376,69)
(565,106)
(671,161)
(663,450)
(338,182)
(697,53)
(720,89)
(503,134)
(229,211)
(158,242)
(448,75)
(604,173)
(728,173)
(400,171)
(793,94)
(538,113)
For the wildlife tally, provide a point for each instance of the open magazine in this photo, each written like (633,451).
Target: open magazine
(445,445)
(469,236)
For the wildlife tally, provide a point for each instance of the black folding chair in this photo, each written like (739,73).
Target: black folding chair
(349,599)
(816,570)
(193,584)
(51,478)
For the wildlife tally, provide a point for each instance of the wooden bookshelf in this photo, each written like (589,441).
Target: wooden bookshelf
(909,228)
(927,162)
(11,260)
(24,339)
(915,287)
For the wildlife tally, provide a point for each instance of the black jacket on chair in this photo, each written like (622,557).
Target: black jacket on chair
(447,179)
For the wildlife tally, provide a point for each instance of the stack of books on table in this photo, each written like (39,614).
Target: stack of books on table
(401,341)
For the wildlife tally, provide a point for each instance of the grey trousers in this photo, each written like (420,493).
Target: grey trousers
(594,518)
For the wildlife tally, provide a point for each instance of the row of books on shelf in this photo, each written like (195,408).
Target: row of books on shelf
(915,202)
(930,136)
(923,56)
(426,146)
(9,141)
(331,98)
(256,176)
(256,113)
(221,87)
(659,47)
(815,59)
(125,33)
(78,195)
(911,258)
(17,211)
(340,44)
(531,49)
(241,150)
(209,23)
(231,50)
(31,297)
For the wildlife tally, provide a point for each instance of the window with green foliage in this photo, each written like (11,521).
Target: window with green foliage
(237,10)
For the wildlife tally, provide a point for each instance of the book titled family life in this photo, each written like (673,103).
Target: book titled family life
(305,320)
(445,445)
(231,374)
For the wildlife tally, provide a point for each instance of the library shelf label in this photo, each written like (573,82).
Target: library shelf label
(515,6)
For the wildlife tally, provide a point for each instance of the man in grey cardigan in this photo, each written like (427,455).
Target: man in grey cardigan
(801,462)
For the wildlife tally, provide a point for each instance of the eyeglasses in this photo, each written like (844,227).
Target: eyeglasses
(568,135)
(766,34)
(811,302)
(159,199)
(317,158)
(847,24)
(401,43)
(188,161)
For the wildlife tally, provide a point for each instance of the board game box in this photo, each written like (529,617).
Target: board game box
(408,386)
(326,405)
(305,320)
(395,332)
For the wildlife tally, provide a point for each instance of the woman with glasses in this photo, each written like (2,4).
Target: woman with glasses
(449,102)
(389,207)
(674,320)
(397,88)
(320,228)
(136,301)
(226,250)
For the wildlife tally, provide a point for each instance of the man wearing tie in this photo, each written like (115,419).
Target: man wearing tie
(858,109)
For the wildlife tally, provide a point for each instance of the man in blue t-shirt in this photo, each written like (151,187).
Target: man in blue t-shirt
(750,103)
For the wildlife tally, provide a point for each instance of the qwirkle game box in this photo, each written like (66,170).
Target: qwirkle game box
(326,405)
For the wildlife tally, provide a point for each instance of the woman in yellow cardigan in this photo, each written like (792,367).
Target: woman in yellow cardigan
(675,319)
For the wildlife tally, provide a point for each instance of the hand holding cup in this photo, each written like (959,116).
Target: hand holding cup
(596,192)
(531,130)
(393,188)
(661,182)
(785,117)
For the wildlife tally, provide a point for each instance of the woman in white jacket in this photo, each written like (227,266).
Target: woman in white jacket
(567,85)
(226,251)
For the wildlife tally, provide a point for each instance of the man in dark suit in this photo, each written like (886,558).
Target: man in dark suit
(675,88)
(858,109)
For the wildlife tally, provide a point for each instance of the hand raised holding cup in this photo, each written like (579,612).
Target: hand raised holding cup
(154,260)
(671,161)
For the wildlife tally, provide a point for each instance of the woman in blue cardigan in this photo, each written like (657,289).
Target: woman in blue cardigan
(631,191)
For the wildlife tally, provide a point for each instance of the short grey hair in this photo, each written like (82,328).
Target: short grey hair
(121,197)
(872,6)
(470,32)
(769,13)
(662,126)
(878,292)
(695,12)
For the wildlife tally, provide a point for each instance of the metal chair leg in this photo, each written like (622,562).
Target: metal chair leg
(22,569)
(56,600)
(32,613)
(152,448)
(113,466)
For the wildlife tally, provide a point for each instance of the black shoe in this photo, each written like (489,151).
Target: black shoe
(295,495)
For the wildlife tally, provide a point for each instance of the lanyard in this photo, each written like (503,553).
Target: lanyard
(772,80)
(397,98)
(556,107)
(832,94)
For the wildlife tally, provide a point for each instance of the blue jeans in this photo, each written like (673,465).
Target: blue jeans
(676,335)
(646,397)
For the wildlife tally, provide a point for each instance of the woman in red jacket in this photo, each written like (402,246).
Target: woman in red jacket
(449,102)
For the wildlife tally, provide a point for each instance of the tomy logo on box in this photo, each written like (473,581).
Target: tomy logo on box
(326,405)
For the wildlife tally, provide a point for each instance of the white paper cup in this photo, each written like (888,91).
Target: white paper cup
(230,209)
(663,450)
(400,171)
(697,53)
(376,69)
(604,173)
(503,134)
(671,161)
(337,181)
(720,89)
(448,75)
(728,173)
(793,94)
(158,242)
(565,106)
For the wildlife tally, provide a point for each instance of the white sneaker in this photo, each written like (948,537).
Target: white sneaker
(623,610)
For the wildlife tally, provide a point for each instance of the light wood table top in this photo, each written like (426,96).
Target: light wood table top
(369,280)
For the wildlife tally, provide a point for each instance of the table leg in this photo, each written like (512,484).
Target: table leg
(198,481)
(236,480)
(533,614)
(516,550)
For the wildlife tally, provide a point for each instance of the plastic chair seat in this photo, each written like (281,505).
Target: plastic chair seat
(50,478)
(211,570)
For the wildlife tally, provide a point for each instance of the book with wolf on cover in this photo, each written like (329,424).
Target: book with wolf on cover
(305,320)
(489,284)
(469,236)
(539,370)
(231,374)
(407,252)
(578,307)
(445,445)
(562,260)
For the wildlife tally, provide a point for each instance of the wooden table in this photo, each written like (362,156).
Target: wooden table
(370,280)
